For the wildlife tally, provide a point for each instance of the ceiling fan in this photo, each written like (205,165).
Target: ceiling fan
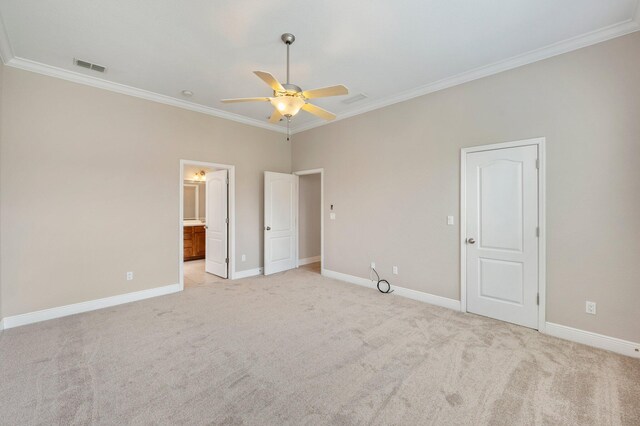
(288,99)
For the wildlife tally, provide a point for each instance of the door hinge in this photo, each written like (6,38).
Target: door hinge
(538,299)
(227,181)
(537,163)
(537,231)
(226,260)
(226,220)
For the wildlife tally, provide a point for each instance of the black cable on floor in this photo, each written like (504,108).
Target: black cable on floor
(388,290)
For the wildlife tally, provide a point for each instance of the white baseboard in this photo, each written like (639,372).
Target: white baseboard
(432,299)
(308,260)
(348,278)
(91,305)
(247,273)
(596,340)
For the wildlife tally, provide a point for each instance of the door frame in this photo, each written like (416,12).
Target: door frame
(303,173)
(542,239)
(231,272)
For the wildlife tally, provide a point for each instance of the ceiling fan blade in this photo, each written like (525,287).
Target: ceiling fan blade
(338,90)
(316,110)
(228,101)
(275,117)
(270,80)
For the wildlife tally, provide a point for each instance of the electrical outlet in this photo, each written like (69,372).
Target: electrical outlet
(395,270)
(244,257)
(129,276)
(449,220)
(373,265)
(590,308)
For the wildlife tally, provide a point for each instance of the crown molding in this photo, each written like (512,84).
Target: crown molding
(37,67)
(575,43)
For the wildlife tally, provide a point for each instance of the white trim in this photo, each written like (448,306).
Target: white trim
(312,172)
(420,296)
(596,340)
(352,279)
(88,80)
(542,239)
(429,298)
(308,260)
(91,305)
(232,216)
(565,46)
(248,273)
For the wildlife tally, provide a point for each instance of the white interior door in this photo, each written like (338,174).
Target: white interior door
(217,234)
(502,234)
(280,221)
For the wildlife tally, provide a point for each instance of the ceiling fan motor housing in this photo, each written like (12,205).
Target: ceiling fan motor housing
(292,88)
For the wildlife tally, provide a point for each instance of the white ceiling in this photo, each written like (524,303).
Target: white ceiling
(388,50)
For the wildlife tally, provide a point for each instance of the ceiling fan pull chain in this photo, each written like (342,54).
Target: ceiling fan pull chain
(288,129)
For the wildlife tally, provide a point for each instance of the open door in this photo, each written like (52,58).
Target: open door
(217,258)
(280,221)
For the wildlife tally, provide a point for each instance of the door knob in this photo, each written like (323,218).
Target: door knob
(471,241)
(268,228)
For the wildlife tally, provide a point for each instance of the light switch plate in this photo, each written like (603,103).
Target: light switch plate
(332,216)
(449,220)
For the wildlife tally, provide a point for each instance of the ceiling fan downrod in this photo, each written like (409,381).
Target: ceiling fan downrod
(288,39)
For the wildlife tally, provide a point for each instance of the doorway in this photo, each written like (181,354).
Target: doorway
(207,223)
(502,232)
(310,220)
(282,221)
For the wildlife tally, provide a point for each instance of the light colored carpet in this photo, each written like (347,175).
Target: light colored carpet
(297,348)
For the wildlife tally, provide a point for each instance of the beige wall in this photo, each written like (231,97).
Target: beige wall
(64,243)
(393,176)
(309,211)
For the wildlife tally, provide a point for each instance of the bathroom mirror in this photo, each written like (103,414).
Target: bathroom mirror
(193,201)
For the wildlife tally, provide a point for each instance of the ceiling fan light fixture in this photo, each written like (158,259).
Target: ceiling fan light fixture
(288,99)
(288,105)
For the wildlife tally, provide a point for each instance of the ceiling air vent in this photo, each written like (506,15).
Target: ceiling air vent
(89,65)
(353,99)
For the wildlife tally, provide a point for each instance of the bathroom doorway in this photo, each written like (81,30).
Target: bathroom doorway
(207,222)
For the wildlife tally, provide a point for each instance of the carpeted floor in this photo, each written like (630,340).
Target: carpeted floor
(297,348)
